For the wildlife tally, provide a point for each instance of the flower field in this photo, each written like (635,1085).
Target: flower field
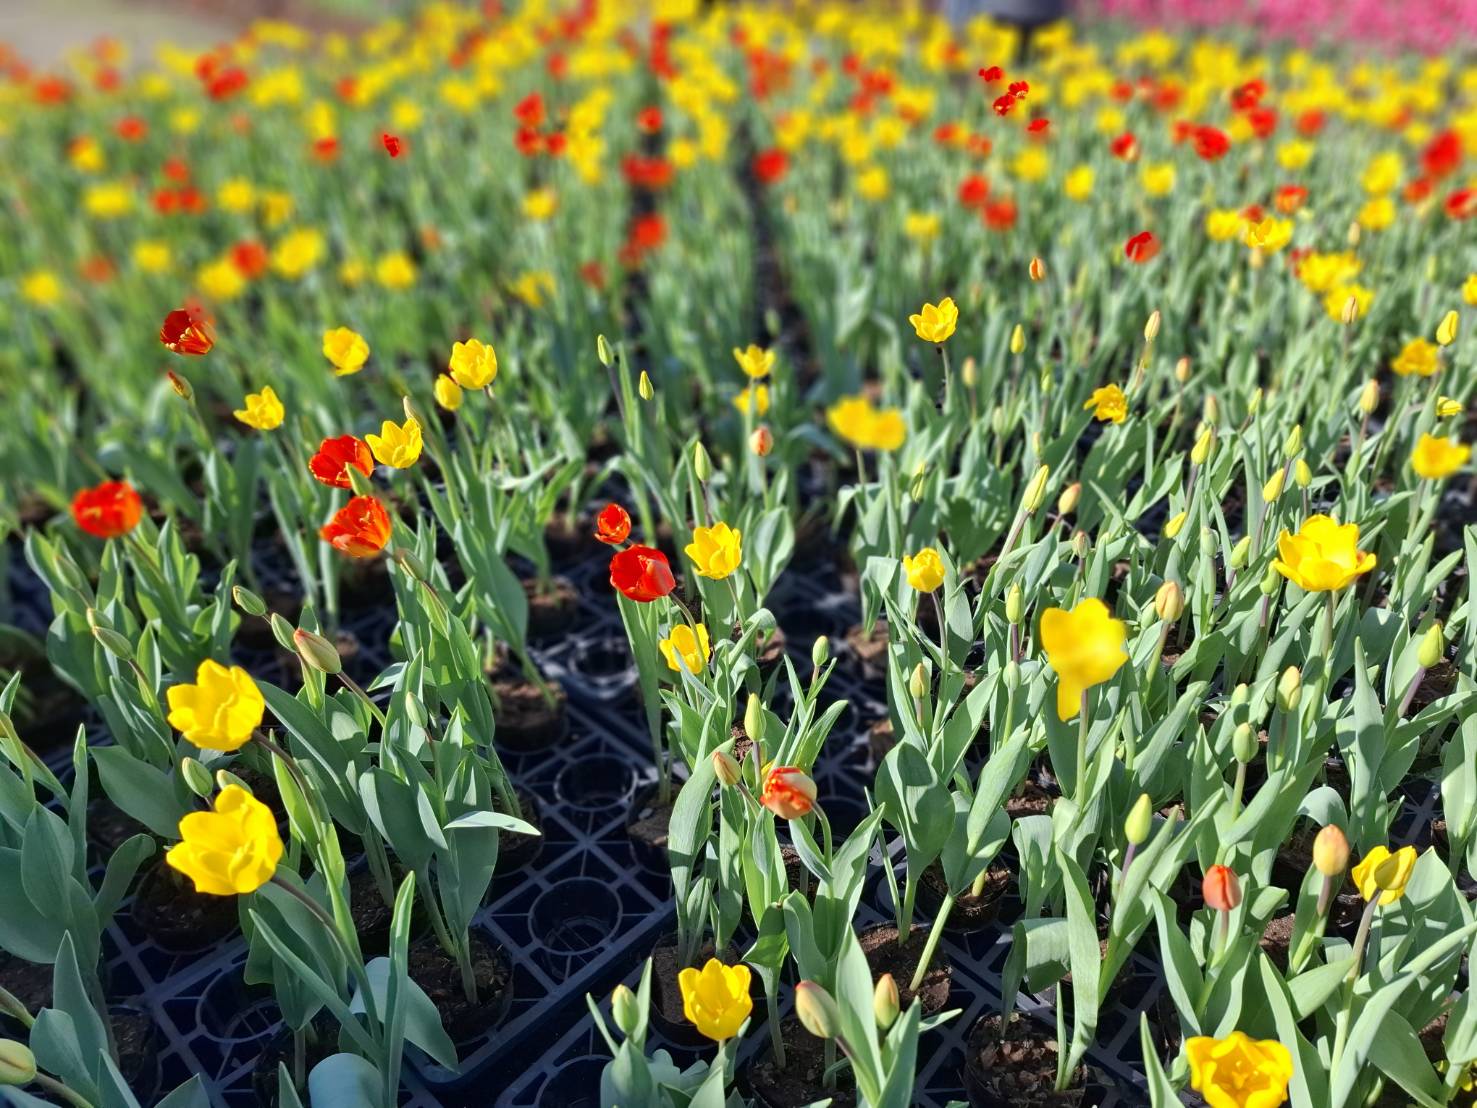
(594,552)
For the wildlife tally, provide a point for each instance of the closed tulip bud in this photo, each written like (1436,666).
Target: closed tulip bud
(316,652)
(1350,311)
(1169,601)
(761,442)
(1254,405)
(1447,329)
(1244,743)
(1221,889)
(702,465)
(1369,396)
(624,1008)
(885,1001)
(1210,411)
(1433,647)
(1292,446)
(1331,851)
(919,484)
(726,769)
(1017,339)
(114,643)
(816,1010)
(248,601)
(1175,525)
(1352,238)
(997,420)
(224,779)
(1012,675)
(197,777)
(1302,475)
(1273,488)
(1182,370)
(1240,695)
(602,351)
(820,651)
(1037,269)
(1271,581)
(282,632)
(1066,504)
(412,412)
(1015,603)
(1081,544)
(17,1063)
(447,392)
(180,385)
(1046,381)
(1140,820)
(1204,444)
(969,373)
(1151,328)
(1241,552)
(918,682)
(754,718)
(644,386)
(1289,688)
(1036,490)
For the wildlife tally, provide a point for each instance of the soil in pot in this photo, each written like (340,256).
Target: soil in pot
(515,851)
(885,955)
(1013,1065)
(801,1081)
(646,824)
(136,1036)
(666,994)
(526,720)
(28,982)
(436,972)
(1029,800)
(869,651)
(970,912)
(881,738)
(171,913)
(552,608)
(1277,940)
(321,1040)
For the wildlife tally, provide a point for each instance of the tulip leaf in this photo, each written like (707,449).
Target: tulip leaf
(345,1081)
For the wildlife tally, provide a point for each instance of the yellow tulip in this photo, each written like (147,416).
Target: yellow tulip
(395,271)
(754,398)
(447,392)
(263,410)
(755,361)
(1446,330)
(1323,555)
(1435,458)
(1239,1071)
(220,710)
(1469,289)
(1416,357)
(473,364)
(396,445)
(346,350)
(715,550)
(860,424)
(232,850)
(1108,404)
(925,570)
(1383,874)
(687,648)
(935,323)
(716,998)
(1084,647)
(1446,407)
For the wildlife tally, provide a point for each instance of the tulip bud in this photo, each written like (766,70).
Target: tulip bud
(702,465)
(918,682)
(820,651)
(1273,488)
(17,1063)
(1012,675)
(411,564)
(1331,851)
(316,652)
(1182,370)
(997,420)
(1244,743)
(1036,490)
(1140,820)
(180,385)
(248,601)
(602,351)
(1175,525)
(1037,269)
(1292,446)
(1017,339)
(408,406)
(761,442)
(1210,411)
(1081,544)
(1350,312)
(1221,889)
(919,483)
(644,386)
(1301,474)
(1169,601)
(754,718)
(197,777)
(1352,238)
(1241,552)
(1015,603)
(726,769)
(447,392)
(816,1010)
(1200,452)
(1240,695)
(224,779)
(1446,331)
(885,1000)
(1066,504)
(1432,648)
(1271,581)
(1369,396)
(969,373)
(1254,405)
(1151,328)
(624,1008)
(1289,688)
(114,643)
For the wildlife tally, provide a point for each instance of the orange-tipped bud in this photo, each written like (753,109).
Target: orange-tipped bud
(1221,889)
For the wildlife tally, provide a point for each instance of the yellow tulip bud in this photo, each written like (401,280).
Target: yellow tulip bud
(1273,488)
(1169,601)
(1017,339)
(702,465)
(1289,688)
(1369,396)
(1241,552)
(816,1010)
(1182,370)
(754,718)
(820,651)
(1331,851)
(1151,328)
(17,1063)
(624,1008)
(1352,238)
(1292,446)
(1175,525)
(1200,452)
(1015,603)
(1302,474)
(447,392)
(1066,504)
(885,1000)
(1244,743)
(1035,491)
(602,351)
(1447,329)
(1081,544)
(918,682)
(969,373)
(1210,412)
(644,387)
(726,769)
(1140,820)
(1350,312)
(1433,647)
(1254,405)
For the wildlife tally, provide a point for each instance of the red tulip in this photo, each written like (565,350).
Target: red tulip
(107,510)
(360,529)
(1210,143)
(1141,247)
(770,166)
(186,331)
(788,792)
(331,464)
(641,573)
(613,525)
(1124,146)
(391,144)
(991,74)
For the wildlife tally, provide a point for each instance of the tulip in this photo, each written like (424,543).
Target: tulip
(645,390)
(726,769)
(865,427)
(317,652)
(263,410)
(473,364)
(1140,821)
(397,446)
(885,1002)
(1084,647)
(754,398)
(1369,397)
(360,529)
(1066,503)
(1446,330)
(613,525)
(330,465)
(1108,404)
(935,323)
(625,1010)
(686,648)
(1169,601)
(17,1064)
(755,719)
(816,1010)
(924,570)
(1221,889)
(1432,647)
(1035,493)
(715,551)
(1446,407)
(345,350)
(641,573)
(1434,459)
(716,998)
(788,792)
(1323,556)
(447,392)
(761,442)
(1037,269)
(186,331)
(108,510)
(1418,358)
(1331,851)
(220,710)
(755,361)
(1238,1071)
(232,850)
(1382,874)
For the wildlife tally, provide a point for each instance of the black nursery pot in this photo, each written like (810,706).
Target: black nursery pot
(970,913)
(526,722)
(1018,1071)
(172,914)
(436,972)
(801,1079)
(551,612)
(514,851)
(647,823)
(137,1038)
(666,995)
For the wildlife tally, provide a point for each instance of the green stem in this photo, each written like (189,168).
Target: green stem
(55,1087)
(935,933)
(1083,727)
